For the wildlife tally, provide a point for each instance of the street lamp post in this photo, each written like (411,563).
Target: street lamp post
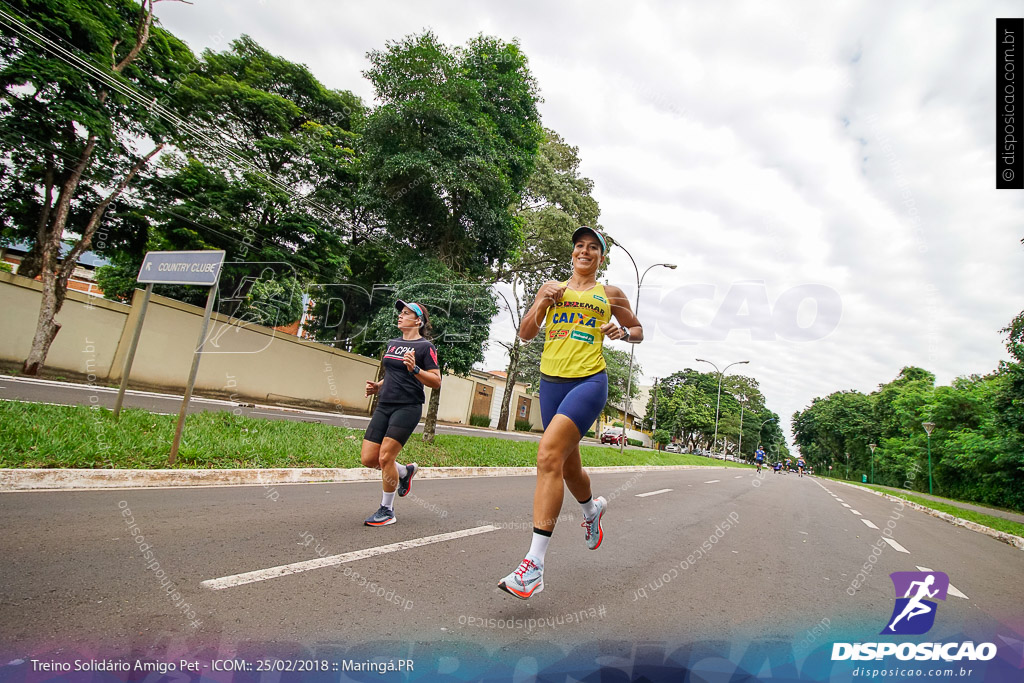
(847,466)
(718,405)
(928,427)
(872,446)
(739,449)
(632,347)
(655,428)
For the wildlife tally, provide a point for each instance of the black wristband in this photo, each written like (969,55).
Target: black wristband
(415,370)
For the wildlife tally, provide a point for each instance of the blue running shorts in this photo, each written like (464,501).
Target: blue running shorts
(581,400)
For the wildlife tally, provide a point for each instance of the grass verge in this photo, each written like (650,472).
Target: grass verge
(997,523)
(45,436)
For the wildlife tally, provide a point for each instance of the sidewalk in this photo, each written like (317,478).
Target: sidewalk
(92,479)
(995,512)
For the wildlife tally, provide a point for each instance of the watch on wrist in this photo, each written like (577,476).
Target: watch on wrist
(625,333)
(415,369)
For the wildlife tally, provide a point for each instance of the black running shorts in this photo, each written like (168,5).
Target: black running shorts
(393,420)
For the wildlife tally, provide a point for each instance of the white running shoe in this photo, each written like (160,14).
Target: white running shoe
(524,581)
(595,534)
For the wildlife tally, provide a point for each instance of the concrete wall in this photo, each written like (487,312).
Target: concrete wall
(456,399)
(90,327)
(240,359)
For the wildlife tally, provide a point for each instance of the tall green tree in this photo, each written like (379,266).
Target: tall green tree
(686,407)
(557,200)
(75,134)
(283,202)
(451,146)
(618,369)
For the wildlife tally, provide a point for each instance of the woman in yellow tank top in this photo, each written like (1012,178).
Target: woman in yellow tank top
(573,392)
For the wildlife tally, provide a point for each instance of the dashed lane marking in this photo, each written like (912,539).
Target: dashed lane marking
(652,493)
(895,545)
(332,560)
(952,589)
(869,523)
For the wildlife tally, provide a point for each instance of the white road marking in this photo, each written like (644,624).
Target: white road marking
(652,493)
(869,523)
(847,505)
(332,560)
(713,481)
(839,499)
(739,476)
(855,512)
(895,545)
(952,589)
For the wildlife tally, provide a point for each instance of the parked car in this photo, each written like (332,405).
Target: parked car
(613,435)
(673,448)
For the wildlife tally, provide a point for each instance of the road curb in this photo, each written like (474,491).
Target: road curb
(1009,539)
(88,479)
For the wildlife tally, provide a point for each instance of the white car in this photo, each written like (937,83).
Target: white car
(673,448)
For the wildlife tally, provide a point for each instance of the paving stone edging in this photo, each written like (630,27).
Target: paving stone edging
(1009,539)
(89,479)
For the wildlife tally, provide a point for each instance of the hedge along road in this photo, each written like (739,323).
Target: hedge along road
(713,556)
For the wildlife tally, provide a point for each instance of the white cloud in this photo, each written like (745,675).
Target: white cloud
(842,145)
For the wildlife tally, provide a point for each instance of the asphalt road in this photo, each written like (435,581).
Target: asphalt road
(719,557)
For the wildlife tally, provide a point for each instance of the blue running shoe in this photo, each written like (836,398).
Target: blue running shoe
(382,517)
(524,581)
(405,483)
(595,534)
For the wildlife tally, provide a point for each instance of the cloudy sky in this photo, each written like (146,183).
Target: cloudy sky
(822,173)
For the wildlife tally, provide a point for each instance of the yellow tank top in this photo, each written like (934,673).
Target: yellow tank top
(573,338)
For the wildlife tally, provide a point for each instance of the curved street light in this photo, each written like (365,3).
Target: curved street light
(628,403)
(928,427)
(872,446)
(718,405)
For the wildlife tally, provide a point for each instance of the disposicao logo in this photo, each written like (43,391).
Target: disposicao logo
(914,614)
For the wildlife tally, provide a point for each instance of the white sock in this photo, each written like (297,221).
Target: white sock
(589,508)
(402,469)
(388,500)
(538,548)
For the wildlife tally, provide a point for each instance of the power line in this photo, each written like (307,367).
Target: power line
(126,89)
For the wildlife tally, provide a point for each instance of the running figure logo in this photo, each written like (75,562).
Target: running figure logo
(914,615)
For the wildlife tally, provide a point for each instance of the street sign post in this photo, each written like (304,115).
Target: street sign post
(200,268)
(181,268)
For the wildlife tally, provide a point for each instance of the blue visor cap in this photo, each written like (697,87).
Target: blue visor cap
(399,305)
(584,229)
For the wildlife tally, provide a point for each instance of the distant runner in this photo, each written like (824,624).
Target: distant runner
(759,458)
